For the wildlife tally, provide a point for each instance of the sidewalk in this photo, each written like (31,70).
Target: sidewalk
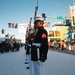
(64,51)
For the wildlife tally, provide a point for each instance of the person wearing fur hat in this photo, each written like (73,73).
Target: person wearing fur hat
(39,48)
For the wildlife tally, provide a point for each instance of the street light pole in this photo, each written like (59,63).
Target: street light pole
(59,5)
(67,18)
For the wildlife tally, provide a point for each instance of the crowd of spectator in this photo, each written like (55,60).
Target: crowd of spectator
(62,45)
(8,45)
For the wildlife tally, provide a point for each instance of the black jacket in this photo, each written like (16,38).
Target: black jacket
(40,38)
(29,42)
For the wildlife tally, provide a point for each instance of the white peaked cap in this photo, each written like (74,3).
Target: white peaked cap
(38,18)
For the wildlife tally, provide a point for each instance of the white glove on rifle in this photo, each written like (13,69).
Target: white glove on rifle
(39,62)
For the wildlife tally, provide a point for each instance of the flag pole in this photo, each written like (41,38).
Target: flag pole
(36,9)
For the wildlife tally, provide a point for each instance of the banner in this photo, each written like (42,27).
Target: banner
(46,24)
(22,28)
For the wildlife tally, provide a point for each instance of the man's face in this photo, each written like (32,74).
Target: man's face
(39,24)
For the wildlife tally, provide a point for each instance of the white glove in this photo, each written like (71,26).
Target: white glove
(39,62)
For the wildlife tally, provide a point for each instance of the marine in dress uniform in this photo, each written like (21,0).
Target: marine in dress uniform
(30,41)
(26,48)
(39,48)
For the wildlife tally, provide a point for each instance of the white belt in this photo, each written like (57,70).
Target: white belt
(37,44)
(38,52)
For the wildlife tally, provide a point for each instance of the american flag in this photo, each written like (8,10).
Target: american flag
(12,25)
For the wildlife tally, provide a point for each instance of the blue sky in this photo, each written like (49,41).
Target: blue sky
(20,11)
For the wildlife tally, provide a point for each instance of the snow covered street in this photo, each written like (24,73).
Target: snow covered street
(58,63)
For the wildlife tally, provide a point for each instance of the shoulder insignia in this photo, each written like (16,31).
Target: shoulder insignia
(44,36)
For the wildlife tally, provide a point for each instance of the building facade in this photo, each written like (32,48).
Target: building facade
(71,12)
(57,33)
